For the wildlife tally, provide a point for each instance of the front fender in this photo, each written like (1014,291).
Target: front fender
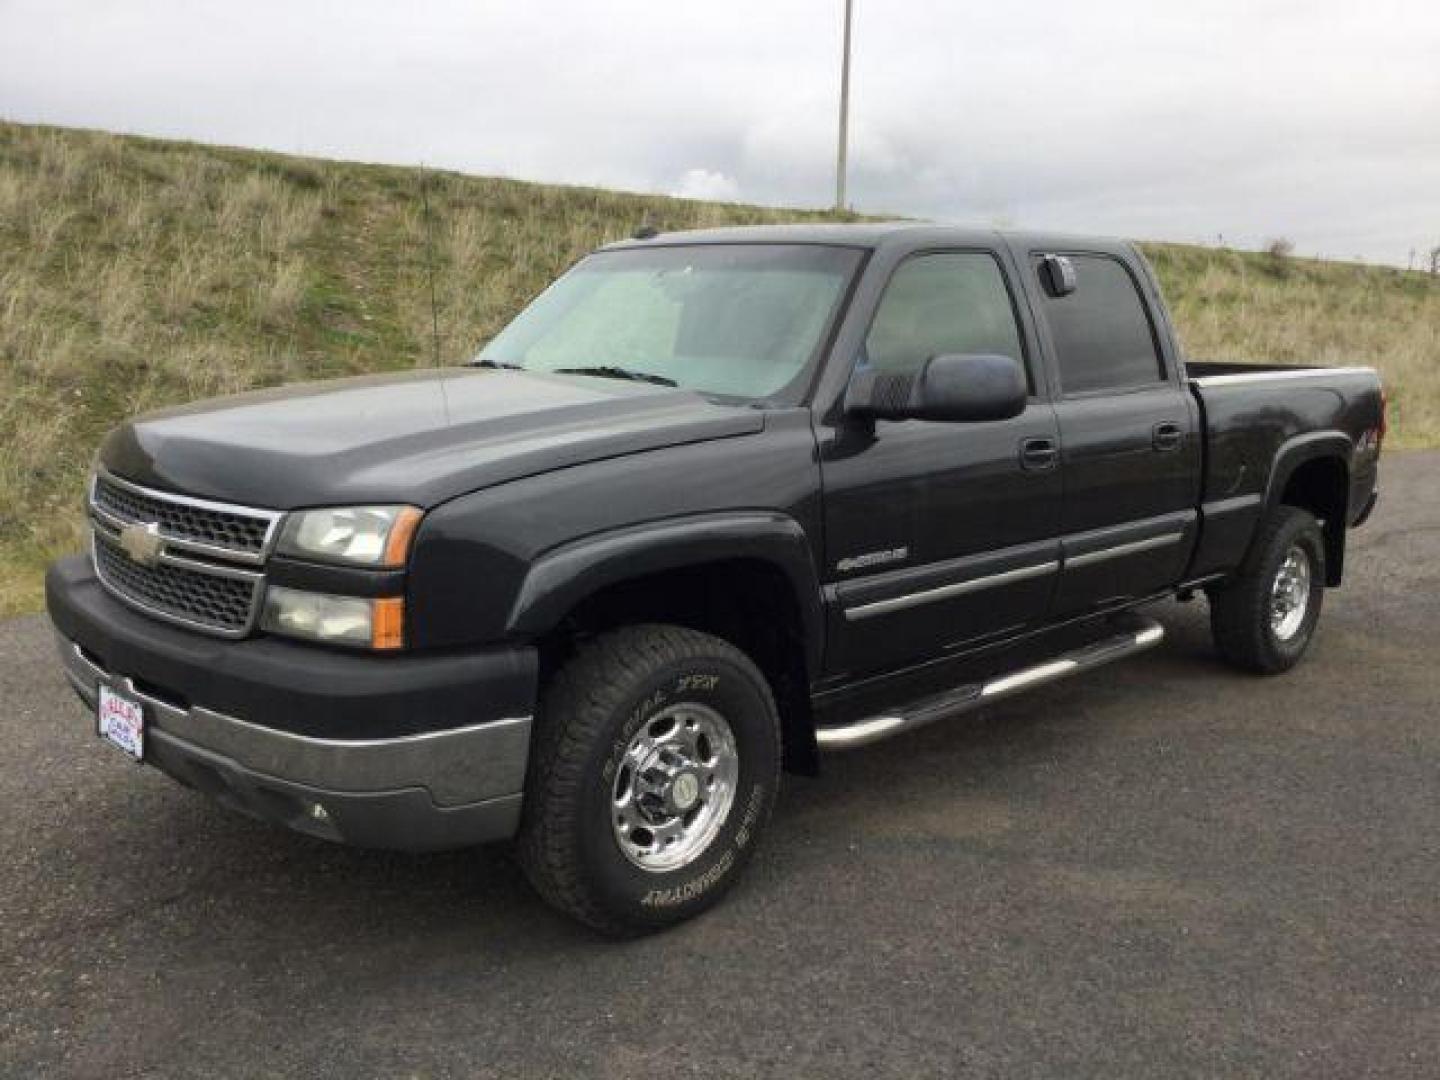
(566,575)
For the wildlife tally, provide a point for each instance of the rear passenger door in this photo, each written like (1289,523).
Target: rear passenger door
(1130,451)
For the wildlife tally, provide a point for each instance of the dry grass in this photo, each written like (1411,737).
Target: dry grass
(136,273)
(1230,305)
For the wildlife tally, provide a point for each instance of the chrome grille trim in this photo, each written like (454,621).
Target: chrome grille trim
(269,520)
(149,606)
(192,582)
(180,562)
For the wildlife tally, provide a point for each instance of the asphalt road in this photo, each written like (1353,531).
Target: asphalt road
(1160,869)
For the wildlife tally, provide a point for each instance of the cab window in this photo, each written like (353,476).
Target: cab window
(940,304)
(1101,333)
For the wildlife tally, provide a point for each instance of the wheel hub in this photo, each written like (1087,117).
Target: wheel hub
(675,786)
(1290,594)
(683,792)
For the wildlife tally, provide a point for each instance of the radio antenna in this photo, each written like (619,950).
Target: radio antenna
(430,261)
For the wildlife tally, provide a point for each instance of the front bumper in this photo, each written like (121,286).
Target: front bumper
(412,753)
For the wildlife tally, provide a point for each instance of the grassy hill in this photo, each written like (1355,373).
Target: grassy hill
(136,273)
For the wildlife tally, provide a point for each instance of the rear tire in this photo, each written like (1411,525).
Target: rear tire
(1263,618)
(654,768)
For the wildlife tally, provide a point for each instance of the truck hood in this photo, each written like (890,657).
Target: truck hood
(418,437)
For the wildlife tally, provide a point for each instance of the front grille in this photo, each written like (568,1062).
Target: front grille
(190,561)
(185,519)
(197,597)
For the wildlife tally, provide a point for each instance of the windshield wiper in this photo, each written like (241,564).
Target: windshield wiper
(608,371)
(486,362)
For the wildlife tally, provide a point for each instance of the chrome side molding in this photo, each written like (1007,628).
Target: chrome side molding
(1007,577)
(942,592)
(1133,547)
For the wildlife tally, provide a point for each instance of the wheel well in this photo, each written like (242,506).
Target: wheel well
(747,602)
(1322,486)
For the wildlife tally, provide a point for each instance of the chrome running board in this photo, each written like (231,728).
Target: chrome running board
(1140,635)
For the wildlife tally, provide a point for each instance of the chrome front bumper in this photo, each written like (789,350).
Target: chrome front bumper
(440,789)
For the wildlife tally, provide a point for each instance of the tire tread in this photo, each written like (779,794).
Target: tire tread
(1239,611)
(576,709)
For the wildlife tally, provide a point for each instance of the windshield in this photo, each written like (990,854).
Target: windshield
(741,320)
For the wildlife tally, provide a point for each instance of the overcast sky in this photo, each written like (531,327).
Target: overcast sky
(1317,120)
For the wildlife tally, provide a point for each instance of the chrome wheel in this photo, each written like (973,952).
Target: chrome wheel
(1290,594)
(675,786)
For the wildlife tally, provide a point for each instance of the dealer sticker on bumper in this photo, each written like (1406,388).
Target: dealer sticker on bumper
(122,721)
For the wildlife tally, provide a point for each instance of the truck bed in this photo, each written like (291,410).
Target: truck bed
(1262,422)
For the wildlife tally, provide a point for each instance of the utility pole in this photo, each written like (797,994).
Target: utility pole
(844,115)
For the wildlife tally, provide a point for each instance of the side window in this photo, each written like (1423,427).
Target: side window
(1103,337)
(952,302)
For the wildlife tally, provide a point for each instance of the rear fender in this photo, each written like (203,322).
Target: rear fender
(1299,451)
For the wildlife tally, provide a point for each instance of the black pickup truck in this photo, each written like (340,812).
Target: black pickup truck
(714,503)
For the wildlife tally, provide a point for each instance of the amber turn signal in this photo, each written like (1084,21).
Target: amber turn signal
(387,623)
(402,534)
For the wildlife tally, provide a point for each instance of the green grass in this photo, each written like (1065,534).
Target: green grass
(136,273)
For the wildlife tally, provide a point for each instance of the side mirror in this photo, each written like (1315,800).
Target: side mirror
(969,387)
(1057,275)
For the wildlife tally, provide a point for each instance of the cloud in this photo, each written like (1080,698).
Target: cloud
(1311,120)
(708,185)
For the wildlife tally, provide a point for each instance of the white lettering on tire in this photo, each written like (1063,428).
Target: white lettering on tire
(679,894)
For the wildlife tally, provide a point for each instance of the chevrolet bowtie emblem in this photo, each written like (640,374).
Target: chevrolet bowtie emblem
(142,543)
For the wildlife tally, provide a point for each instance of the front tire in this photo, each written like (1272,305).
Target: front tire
(1263,619)
(655,766)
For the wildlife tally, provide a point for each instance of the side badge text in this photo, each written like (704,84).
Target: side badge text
(872,558)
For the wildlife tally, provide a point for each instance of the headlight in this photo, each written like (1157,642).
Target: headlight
(336,620)
(376,536)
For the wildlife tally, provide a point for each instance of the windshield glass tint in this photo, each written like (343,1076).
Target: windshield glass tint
(742,320)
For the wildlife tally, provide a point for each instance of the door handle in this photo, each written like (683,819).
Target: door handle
(1167,435)
(1038,454)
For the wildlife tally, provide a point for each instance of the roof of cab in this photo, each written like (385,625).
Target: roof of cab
(864,234)
(867,235)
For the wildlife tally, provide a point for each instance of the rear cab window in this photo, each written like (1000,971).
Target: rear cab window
(1102,333)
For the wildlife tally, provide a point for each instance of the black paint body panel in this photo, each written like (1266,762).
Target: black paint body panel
(514,530)
(419,437)
(912,547)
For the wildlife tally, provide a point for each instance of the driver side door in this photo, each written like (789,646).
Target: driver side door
(939,535)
